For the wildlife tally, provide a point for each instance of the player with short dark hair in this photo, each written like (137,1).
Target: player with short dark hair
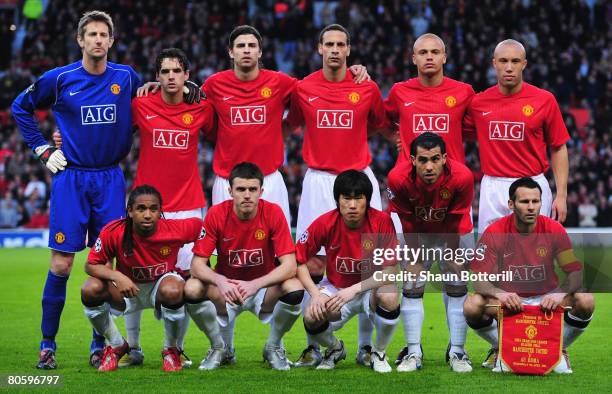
(527,244)
(515,122)
(250,235)
(349,235)
(432,194)
(90,100)
(145,246)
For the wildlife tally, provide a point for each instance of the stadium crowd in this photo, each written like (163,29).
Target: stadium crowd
(569,48)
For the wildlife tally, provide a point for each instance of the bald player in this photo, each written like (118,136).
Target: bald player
(515,123)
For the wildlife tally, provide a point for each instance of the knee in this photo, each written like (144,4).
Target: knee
(386,297)
(92,291)
(584,305)
(293,297)
(61,263)
(171,292)
(193,291)
(473,306)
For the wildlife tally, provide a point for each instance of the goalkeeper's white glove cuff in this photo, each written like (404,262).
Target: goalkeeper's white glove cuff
(51,157)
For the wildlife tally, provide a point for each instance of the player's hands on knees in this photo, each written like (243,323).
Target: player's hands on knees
(230,291)
(246,288)
(146,88)
(551,301)
(51,157)
(510,301)
(317,308)
(559,209)
(340,298)
(126,287)
(360,73)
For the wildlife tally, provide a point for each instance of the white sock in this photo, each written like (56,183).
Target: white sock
(570,332)
(172,325)
(326,338)
(132,328)
(183,326)
(227,333)
(309,338)
(456,323)
(489,334)
(384,331)
(413,314)
(101,320)
(283,317)
(366,328)
(204,314)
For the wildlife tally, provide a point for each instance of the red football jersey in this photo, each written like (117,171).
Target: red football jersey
(443,207)
(151,256)
(530,257)
(169,149)
(513,131)
(250,119)
(349,251)
(336,116)
(438,109)
(245,248)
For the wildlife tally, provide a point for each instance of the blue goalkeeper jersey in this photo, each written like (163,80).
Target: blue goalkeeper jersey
(93,112)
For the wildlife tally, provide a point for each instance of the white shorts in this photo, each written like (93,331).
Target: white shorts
(274,190)
(359,304)
(494,199)
(145,298)
(252,304)
(318,196)
(185,255)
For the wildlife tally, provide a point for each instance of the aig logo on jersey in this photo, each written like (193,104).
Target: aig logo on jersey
(98,114)
(349,265)
(250,114)
(429,214)
(170,139)
(334,119)
(506,131)
(528,273)
(433,123)
(150,272)
(245,257)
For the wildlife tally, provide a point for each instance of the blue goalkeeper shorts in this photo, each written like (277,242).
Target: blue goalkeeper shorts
(84,200)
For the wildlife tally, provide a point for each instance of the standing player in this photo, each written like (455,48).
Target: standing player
(169,137)
(249,234)
(527,244)
(349,235)
(146,247)
(432,195)
(90,100)
(515,122)
(336,113)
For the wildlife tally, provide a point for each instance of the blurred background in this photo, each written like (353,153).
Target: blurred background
(568,42)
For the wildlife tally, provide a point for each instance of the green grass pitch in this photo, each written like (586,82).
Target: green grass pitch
(23,271)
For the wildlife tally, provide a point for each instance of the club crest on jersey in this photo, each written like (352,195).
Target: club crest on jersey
(98,114)
(250,114)
(542,251)
(115,88)
(445,194)
(188,118)
(266,92)
(260,235)
(367,244)
(149,273)
(433,123)
(98,245)
(165,250)
(304,237)
(354,97)
(60,237)
(506,131)
(245,258)
(450,101)
(334,119)
(429,214)
(170,139)
(528,273)
(528,110)
(349,265)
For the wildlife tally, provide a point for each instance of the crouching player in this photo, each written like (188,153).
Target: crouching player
(250,234)
(527,244)
(349,235)
(146,248)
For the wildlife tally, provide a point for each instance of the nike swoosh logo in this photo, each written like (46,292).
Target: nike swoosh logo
(227,239)
(486,113)
(311,99)
(227,98)
(334,247)
(408,104)
(151,116)
(507,255)
(73,93)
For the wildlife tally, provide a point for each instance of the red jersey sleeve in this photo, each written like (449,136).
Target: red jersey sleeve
(209,234)
(555,132)
(295,118)
(377,118)
(391,105)
(104,249)
(564,253)
(468,127)
(309,242)
(288,85)
(191,229)
(209,126)
(281,236)
(462,203)
(387,237)
(488,264)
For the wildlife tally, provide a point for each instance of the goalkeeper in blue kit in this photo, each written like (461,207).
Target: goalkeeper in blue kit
(90,100)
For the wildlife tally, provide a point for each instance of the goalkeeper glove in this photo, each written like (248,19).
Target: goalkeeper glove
(51,157)
(192,93)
